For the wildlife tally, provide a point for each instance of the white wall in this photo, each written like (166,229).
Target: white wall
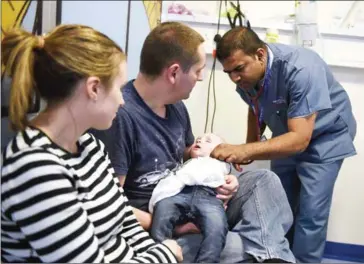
(347,212)
(110,17)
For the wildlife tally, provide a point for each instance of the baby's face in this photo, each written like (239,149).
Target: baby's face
(204,145)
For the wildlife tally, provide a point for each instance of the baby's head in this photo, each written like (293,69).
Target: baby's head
(204,145)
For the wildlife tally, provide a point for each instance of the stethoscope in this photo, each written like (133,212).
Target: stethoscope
(254,103)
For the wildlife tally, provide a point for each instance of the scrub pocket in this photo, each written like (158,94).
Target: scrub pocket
(276,119)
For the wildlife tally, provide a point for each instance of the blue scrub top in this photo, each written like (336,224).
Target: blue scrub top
(301,83)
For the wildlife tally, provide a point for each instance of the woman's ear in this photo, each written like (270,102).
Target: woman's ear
(93,87)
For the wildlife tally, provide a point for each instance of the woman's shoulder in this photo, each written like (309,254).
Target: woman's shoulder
(24,143)
(90,142)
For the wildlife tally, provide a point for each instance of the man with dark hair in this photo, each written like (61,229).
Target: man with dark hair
(152,136)
(292,91)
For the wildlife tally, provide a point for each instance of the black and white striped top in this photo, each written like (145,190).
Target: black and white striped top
(63,207)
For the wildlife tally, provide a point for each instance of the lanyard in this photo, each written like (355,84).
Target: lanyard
(254,100)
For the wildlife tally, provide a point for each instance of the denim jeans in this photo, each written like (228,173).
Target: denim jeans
(199,205)
(259,217)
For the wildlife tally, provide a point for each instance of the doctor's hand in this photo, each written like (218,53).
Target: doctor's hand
(226,191)
(235,154)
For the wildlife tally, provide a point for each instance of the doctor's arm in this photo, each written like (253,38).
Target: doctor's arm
(251,135)
(309,94)
(252,127)
(294,141)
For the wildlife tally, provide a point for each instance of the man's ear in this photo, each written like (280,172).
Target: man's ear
(172,72)
(93,87)
(261,54)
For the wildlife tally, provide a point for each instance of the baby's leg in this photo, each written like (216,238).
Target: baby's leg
(166,214)
(211,218)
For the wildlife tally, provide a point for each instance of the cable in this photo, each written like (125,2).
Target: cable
(212,78)
(127,29)
(214,90)
(208,96)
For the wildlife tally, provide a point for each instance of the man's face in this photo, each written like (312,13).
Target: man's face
(245,70)
(204,145)
(187,81)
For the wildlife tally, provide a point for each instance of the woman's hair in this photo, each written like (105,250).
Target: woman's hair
(52,65)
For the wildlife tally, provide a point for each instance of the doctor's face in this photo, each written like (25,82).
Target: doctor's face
(245,70)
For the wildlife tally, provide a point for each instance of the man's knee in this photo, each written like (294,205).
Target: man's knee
(260,176)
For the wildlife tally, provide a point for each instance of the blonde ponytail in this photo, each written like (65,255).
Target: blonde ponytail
(18,58)
(53,66)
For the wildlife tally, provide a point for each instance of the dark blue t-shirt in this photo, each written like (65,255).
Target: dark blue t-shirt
(144,146)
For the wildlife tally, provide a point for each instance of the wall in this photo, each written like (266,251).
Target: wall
(113,24)
(6,132)
(340,51)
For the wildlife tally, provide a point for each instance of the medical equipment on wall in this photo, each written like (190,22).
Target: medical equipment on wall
(243,21)
(349,20)
(272,35)
(238,15)
(306,22)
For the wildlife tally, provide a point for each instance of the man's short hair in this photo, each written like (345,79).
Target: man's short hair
(168,43)
(238,38)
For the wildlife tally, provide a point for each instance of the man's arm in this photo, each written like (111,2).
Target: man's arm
(122,179)
(294,141)
(252,127)
(144,218)
(308,94)
(186,153)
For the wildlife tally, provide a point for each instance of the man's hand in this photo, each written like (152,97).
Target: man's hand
(226,191)
(188,228)
(235,154)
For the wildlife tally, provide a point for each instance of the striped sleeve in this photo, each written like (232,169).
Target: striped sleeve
(41,198)
(145,247)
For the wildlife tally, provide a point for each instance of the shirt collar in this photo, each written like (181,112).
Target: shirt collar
(270,54)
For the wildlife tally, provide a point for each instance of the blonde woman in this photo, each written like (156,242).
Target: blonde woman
(60,199)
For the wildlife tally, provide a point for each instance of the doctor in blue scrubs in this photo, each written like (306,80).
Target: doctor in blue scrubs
(291,90)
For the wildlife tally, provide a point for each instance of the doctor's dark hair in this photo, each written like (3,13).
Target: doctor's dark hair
(51,66)
(238,38)
(168,43)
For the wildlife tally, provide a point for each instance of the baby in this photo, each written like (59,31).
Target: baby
(188,195)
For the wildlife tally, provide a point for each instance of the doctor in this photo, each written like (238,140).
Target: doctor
(292,91)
